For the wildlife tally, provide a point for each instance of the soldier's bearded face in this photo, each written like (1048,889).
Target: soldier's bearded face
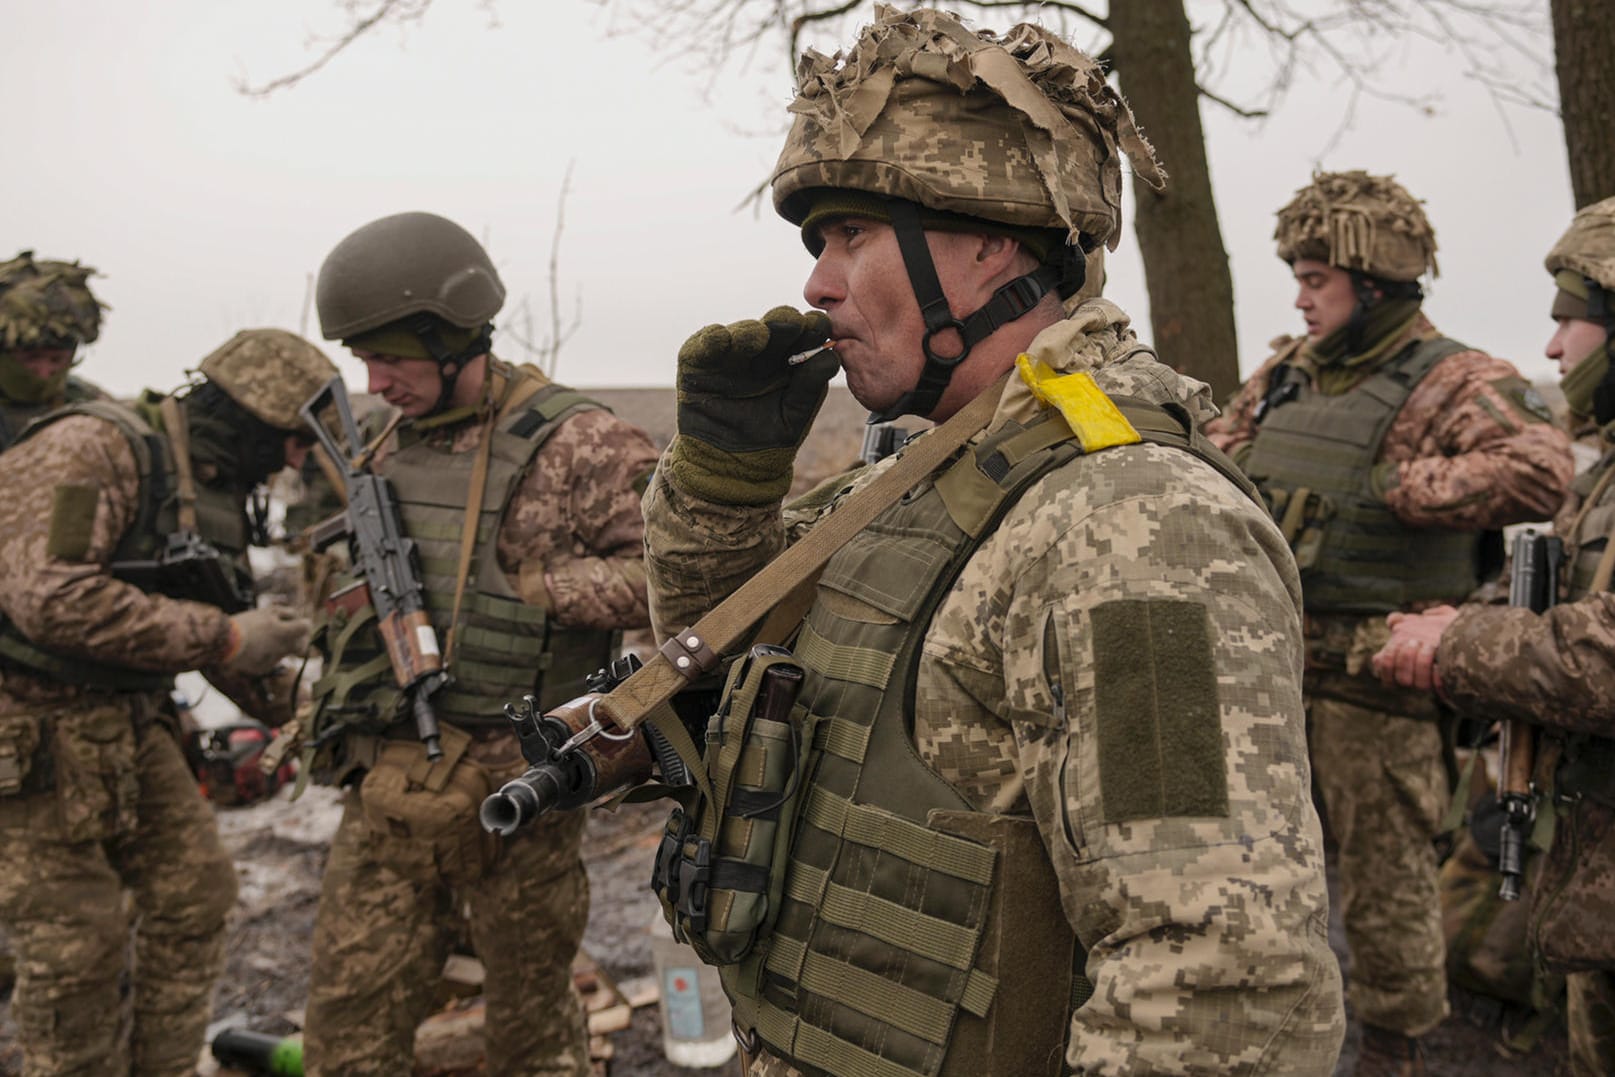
(409,384)
(1324,296)
(876,327)
(1573,340)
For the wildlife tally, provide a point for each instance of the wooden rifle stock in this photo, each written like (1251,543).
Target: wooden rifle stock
(1533,585)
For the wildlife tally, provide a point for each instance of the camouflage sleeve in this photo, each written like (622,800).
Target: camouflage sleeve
(698,552)
(1152,657)
(1554,669)
(67,495)
(572,539)
(1236,426)
(1474,448)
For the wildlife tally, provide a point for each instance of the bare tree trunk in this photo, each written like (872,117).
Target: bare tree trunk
(1185,265)
(1584,51)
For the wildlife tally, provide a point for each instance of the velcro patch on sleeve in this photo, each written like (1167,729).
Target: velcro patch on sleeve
(1155,696)
(72,522)
(1524,398)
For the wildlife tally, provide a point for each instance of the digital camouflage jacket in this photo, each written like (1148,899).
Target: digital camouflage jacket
(1205,932)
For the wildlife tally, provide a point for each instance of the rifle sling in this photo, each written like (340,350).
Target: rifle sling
(694,651)
(179,435)
(473,501)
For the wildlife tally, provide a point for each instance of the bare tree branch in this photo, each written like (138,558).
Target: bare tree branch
(359,25)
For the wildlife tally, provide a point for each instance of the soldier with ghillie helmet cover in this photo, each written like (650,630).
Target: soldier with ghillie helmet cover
(46,311)
(1556,669)
(123,534)
(522,497)
(1052,799)
(1387,452)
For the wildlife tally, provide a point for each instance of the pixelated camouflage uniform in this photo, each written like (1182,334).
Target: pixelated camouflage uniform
(1204,932)
(107,804)
(569,541)
(1470,450)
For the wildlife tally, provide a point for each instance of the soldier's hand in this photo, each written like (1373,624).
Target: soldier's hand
(260,638)
(747,393)
(1408,659)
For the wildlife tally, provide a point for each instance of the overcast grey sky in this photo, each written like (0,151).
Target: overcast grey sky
(127,146)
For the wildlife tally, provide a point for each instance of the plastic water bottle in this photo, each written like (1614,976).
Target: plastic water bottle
(695,1013)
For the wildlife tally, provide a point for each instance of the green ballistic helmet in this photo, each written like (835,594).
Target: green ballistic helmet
(1587,249)
(1361,223)
(270,373)
(46,304)
(402,265)
(1019,129)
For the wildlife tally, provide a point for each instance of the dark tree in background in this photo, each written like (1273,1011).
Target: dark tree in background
(1584,53)
(1167,56)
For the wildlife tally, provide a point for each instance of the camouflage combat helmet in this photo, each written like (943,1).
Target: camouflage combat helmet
(270,373)
(1362,223)
(923,118)
(1587,249)
(46,304)
(413,284)
(1583,267)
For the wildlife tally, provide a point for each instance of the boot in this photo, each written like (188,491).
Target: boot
(1384,1053)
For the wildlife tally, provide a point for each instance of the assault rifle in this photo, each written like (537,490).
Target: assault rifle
(1534,585)
(388,566)
(189,567)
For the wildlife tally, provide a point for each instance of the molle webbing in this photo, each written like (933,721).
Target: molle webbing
(1594,528)
(1313,459)
(895,952)
(505,647)
(155,518)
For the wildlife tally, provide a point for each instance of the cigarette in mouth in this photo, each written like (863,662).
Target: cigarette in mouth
(802,357)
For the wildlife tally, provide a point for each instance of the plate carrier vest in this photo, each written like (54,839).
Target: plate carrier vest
(1313,459)
(898,948)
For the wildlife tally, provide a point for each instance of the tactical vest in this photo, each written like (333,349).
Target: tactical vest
(504,648)
(1313,459)
(220,519)
(901,946)
(1587,766)
(15,417)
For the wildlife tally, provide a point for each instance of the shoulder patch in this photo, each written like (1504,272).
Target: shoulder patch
(1156,706)
(72,522)
(1525,398)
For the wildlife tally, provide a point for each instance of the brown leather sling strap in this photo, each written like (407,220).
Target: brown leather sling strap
(696,650)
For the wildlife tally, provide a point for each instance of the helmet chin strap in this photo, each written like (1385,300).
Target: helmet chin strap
(1007,304)
(1602,311)
(1369,291)
(450,363)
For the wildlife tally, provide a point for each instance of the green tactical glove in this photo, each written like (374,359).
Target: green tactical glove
(744,408)
(260,638)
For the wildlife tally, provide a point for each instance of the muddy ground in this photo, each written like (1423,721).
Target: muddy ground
(279,846)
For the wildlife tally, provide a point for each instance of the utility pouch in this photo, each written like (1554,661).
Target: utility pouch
(429,810)
(1301,515)
(1573,906)
(720,868)
(93,749)
(19,740)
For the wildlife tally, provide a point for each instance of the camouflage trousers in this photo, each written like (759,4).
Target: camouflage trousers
(1385,790)
(385,924)
(1590,1016)
(62,901)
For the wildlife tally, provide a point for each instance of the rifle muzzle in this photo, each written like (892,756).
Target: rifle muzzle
(522,800)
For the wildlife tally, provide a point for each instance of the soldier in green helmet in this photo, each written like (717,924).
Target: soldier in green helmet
(522,497)
(123,534)
(1390,454)
(1050,785)
(46,311)
(1556,669)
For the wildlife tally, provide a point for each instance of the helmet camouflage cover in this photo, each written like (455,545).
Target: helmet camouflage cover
(1357,221)
(406,264)
(46,304)
(1020,129)
(270,373)
(1587,248)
